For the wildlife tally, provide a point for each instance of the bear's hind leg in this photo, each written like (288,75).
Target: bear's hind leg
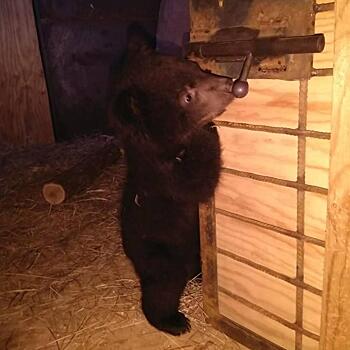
(160,302)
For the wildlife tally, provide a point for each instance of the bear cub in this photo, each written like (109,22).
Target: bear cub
(162,111)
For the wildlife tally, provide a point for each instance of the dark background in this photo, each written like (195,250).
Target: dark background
(80,41)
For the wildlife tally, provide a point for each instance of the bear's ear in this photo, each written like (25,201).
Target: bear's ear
(139,40)
(127,108)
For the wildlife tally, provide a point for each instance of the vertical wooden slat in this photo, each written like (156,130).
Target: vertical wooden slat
(24,106)
(209,256)
(335,334)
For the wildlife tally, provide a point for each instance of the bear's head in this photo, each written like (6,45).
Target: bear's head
(163,98)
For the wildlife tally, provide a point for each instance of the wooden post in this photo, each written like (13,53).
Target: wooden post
(335,332)
(24,105)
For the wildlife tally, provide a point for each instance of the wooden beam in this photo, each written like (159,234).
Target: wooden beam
(335,334)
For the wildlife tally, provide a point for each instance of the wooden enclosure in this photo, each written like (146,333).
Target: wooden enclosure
(263,236)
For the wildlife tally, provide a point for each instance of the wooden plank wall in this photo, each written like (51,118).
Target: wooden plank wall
(24,107)
(271,204)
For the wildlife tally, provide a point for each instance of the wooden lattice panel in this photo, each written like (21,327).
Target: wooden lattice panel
(270,209)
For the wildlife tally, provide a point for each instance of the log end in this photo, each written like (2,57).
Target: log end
(54,193)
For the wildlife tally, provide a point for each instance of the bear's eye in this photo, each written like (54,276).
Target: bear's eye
(188,98)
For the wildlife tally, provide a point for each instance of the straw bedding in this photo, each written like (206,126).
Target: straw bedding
(65,282)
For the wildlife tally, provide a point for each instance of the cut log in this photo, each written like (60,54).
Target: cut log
(80,176)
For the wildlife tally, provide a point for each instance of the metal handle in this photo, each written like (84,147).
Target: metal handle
(240,86)
(260,47)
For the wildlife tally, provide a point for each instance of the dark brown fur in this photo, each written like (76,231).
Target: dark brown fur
(173,157)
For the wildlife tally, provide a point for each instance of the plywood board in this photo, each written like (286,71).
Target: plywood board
(24,105)
(269,102)
(315,215)
(325,23)
(270,203)
(261,289)
(312,312)
(310,344)
(313,265)
(257,322)
(319,103)
(317,162)
(260,152)
(262,246)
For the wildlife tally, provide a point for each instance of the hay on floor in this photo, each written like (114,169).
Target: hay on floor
(65,282)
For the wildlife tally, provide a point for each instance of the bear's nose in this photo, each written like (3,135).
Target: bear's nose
(225,84)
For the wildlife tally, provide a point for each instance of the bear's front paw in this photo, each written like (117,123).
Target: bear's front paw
(175,324)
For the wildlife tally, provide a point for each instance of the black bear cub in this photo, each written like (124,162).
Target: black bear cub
(162,110)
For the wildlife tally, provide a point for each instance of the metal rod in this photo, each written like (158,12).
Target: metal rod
(276,181)
(268,314)
(246,67)
(274,129)
(270,227)
(260,47)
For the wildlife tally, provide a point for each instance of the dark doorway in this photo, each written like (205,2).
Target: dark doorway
(80,40)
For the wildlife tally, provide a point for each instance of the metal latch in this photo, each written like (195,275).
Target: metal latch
(259,39)
(243,44)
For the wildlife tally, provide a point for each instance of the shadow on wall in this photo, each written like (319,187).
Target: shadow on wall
(173,26)
(79,42)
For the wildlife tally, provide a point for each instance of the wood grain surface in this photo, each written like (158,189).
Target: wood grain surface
(313,265)
(268,292)
(315,215)
(312,312)
(325,24)
(258,200)
(262,246)
(260,152)
(319,103)
(258,323)
(335,333)
(278,104)
(24,105)
(269,102)
(310,344)
(317,162)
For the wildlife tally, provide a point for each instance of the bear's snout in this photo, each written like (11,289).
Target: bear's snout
(225,84)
